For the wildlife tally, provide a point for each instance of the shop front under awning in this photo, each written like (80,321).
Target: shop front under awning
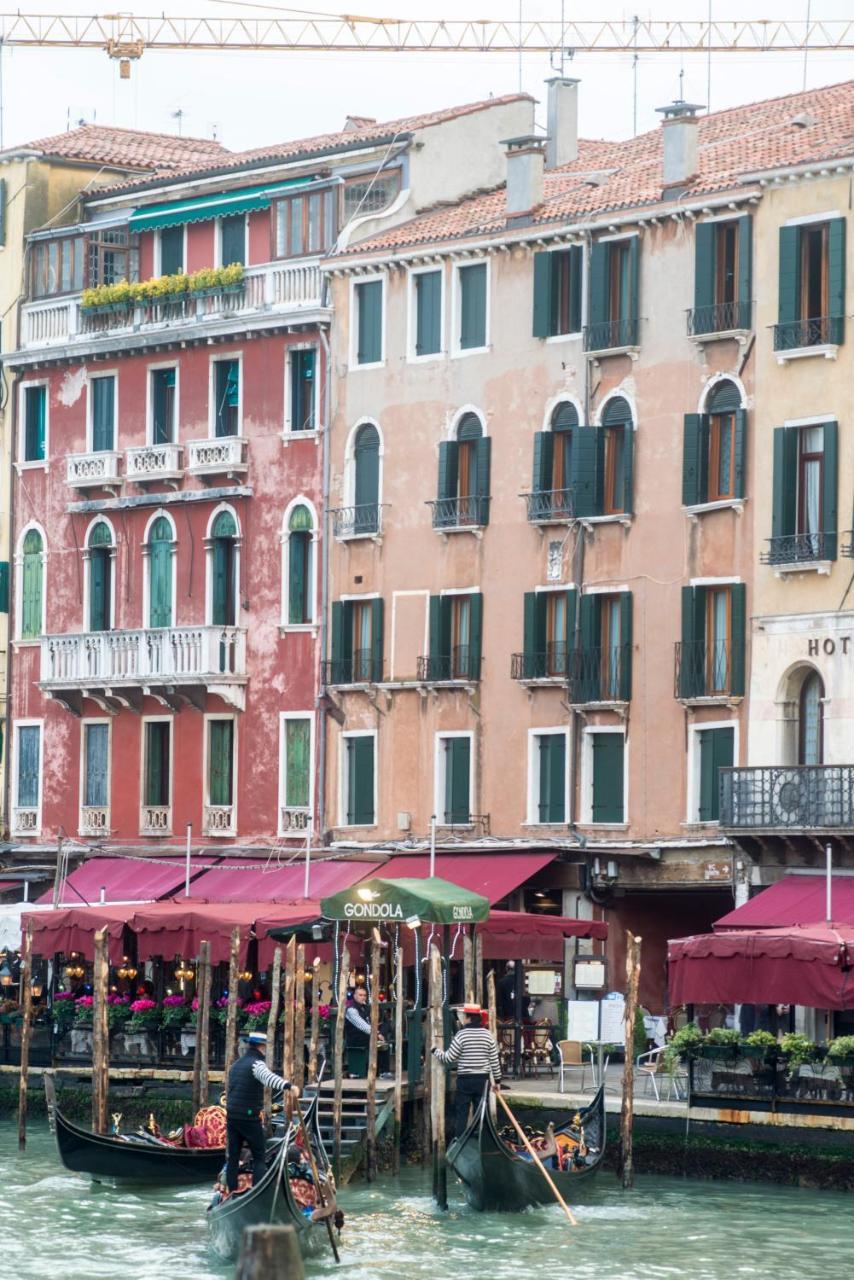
(493,875)
(233,883)
(217,204)
(810,965)
(517,935)
(125,880)
(73,929)
(794,900)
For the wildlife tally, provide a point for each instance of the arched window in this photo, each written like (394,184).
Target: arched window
(551,486)
(464,464)
(32,578)
(366,486)
(160,549)
(724,404)
(811,720)
(223,569)
(300,580)
(617,456)
(99,550)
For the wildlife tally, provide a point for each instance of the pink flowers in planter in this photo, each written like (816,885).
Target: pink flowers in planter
(256,1008)
(173,1002)
(116,999)
(64,995)
(143,1005)
(85,1002)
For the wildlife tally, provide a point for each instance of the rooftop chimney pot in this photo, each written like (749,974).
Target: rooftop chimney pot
(526,160)
(681,149)
(562,121)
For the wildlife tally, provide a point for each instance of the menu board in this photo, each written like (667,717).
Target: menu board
(612,1025)
(582,1020)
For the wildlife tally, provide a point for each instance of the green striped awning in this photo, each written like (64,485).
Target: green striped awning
(219,204)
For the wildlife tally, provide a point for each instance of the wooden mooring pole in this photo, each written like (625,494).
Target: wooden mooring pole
(273,1022)
(398,1057)
(437,1092)
(468,966)
(267,1253)
(26,990)
(201,1058)
(633,970)
(299,1020)
(231,1013)
(315,1021)
(492,1020)
(100,1034)
(478,968)
(288,1045)
(373,1043)
(337,1106)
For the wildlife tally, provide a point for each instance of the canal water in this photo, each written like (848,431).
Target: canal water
(57,1224)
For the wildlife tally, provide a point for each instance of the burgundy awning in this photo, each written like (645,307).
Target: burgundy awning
(178,928)
(233,883)
(794,900)
(493,875)
(125,880)
(284,915)
(810,965)
(73,929)
(518,935)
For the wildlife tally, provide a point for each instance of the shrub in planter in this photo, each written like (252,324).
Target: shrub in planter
(797,1049)
(759,1047)
(841,1051)
(63,1009)
(176,1011)
(118,1010)
(256,1015)
(721,1042)
(684,1043)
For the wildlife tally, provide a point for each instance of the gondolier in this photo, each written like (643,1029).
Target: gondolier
(474,1052)
(244,1102)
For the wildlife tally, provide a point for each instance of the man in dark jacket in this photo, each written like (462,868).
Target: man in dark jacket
(505,994)
(244,1102)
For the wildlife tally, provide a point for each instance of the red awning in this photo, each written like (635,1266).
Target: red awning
(493,875)
(794,900)
(125,880)
(282,915)
(518,935)
(73,929)
(233,883)
(178,928)
(810,965)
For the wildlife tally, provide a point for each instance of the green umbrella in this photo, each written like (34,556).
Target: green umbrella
(428,900)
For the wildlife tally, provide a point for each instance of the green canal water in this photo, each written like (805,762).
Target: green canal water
(57,1225)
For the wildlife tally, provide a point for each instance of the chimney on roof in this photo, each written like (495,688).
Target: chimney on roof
(526,162)
(358,122)
(680,125)
(562,122)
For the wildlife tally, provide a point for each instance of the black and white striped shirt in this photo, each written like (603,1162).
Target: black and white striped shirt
(474,1053)
(268,1078)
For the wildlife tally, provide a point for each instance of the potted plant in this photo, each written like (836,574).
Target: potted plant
(118,1011)
(841,1052)
(759,1047)
(63,1011)
(720,1043)
(144,1015)
(83,1011)
(176,1012)
(797,1049)
(256,1015)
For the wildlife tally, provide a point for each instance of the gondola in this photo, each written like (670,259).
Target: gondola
(133,1158)
(495,1177)
(272,1202)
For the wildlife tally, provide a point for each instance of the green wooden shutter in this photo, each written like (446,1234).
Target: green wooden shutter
(738,615)
(222,604)
(369,322)
(439,625)
(836,278)
(160,574)
(476,638)
(482,464)
(588,662)
(628,484)
(784,482)
(32,586)
(740,452)
(745,271)
(35,407)
(543,460)
(692,669)
(789,296)
(99,589)
(625,646)
(543,277)
(576,278)
(341,641)
(608,788)
(103,414)
(29,765)
(221,762)
(171,250)
(297,763)
(360,781)
(534,665)
(704,275)
(552,767)
(457,780)
(96,741)
(233,239)
(298,551)
(157,763)
(367,487)
(829,496)
(4,586)
(716,753)
(599,298)
(695,458)
(586,470)
(428,313)
(377,614)
(448,470)
(473,306)
(633,310)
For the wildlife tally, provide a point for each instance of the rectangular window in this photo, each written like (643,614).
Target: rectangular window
(369,321)
(363,617)
(226,398)
(455,637)
(549,764)
(558,278)
(722,437)
(472,290)
(612,656)
(607,782)
(363,196)
(722,276)
(305,224)
(805,516)
(811,285)
(616,496)
(103,400)
(601,668)
(359,780)
(297,762)
(221,762)
(455,765)
(171,251)
(716,752)
(710,656)
(28,790)
(113,256)
(810,479)
(428,312)
(35,423)
(57,267)
(163,406)
(549,626)
(96,751)
(232,240)
(157,777)
(303,389)
(356,636)
(613,289)
(557,632)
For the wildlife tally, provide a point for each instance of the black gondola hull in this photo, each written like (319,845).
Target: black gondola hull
(496,1179)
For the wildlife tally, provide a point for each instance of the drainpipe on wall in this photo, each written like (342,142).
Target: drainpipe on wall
(320,826)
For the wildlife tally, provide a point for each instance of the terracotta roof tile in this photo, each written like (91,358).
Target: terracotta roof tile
(610,176)
(128,148)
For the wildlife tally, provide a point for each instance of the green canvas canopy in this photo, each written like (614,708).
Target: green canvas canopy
(428,900)
(218,204)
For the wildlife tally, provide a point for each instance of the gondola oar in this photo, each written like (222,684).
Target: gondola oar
(537,1161)
(318,1188)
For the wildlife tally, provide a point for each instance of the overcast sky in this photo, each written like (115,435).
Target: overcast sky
(249,99)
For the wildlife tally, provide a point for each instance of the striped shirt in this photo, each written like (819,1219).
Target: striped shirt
(268,1078)
(356,1020)
(474,1053)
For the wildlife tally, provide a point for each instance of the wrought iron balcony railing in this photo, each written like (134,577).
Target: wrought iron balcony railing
(463,663)
(703,670)
(787,797)
(363,521)
(361,667)
(816,332)
(609,335)
(548,505)
(468,512)
(795,548)
(599,675)
(847,548)
(719,317)
(547,664)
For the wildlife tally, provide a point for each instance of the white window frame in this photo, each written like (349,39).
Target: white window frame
(285,537)
(101,518)
(149,399)
(343,775)
(88,720)
(412,313)
(23,387)
(532,818)
(206,800)
(458,352)
(19,587)
(146,569)
(17,725)
(93,376)
(355,281)
(158,262)
(692,816)
(238,542)
(575,334)
(218,238)
(224,358)
(170,720)
(284,717)
(587,776)
(439,761)
(288,431)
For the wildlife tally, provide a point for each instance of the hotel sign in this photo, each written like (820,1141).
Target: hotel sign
(828,646)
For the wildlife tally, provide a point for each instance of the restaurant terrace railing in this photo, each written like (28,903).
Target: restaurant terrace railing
(702,670)
(817,332)
(787,797)
(719,317)
(609,335)
(547,506)
(741,1076)
(468,512)
(795,548)
(463,663)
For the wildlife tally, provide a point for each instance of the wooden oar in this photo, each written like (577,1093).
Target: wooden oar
(318,1188)
(537,1161)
